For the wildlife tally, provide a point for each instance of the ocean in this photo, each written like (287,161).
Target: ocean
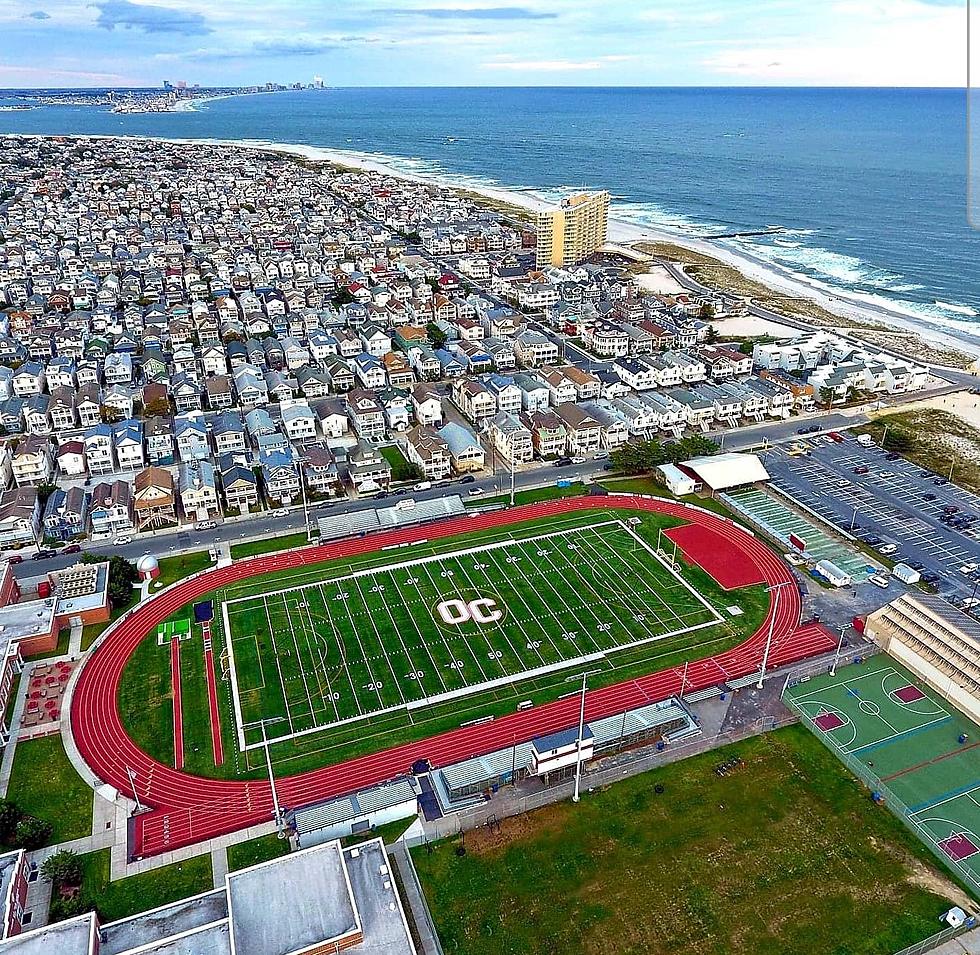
(870,185)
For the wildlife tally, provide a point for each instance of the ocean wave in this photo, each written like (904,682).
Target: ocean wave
(653,214)
(837,266)
(957,309)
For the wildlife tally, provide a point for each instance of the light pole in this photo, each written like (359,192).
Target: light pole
(132,782)
(306,507)
(854,517)
(772,626)
(840,643)
(884,434)
(272,779)
(581,732)
(950,475)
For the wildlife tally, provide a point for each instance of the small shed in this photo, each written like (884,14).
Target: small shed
(678,482)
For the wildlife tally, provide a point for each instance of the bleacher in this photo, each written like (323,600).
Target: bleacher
(337,526)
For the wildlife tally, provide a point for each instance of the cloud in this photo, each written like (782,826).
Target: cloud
(543,66)
(149,18)
(469,13)
(38,15)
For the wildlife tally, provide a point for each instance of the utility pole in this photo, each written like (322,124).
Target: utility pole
(854,517)
(272,780)
(132,782)
(513,468)
(306,507)
(581,733)
(772,626)
(840,643)
(884,434)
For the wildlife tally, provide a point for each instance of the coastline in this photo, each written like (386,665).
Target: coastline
(850,307)
(624,232)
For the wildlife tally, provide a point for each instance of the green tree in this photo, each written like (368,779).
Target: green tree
(826,397)
(122,575)
(32,833)
(437,337)
(63,868)
(10,815)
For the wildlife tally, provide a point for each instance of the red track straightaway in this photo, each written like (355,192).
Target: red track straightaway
(188,809)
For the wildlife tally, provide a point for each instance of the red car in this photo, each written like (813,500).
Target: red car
(16,559)
(73,549)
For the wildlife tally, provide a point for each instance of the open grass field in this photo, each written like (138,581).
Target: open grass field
(916,749)
(145,693)
(423,630)
(785,855)
(44,783)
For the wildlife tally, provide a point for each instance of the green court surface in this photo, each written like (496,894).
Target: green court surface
(169,629)
(912,747)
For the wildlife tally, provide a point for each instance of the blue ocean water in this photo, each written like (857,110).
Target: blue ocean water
(871,183)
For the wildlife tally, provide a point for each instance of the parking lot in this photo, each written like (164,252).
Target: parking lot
(887,502)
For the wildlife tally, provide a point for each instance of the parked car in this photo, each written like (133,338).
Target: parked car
(72,549)
(44,554)
(940,482)
(887,549)
(879,581)
(206,525)
(423,486)
(475,491)
(16,559)
(281,512)
(862,469)
(579,460)
(970,568)
(928,496)
(122,541)
(469,479)
(892,456)
(563,462)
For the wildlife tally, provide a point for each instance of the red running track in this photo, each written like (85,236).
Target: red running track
(214,711)
(188,809)
(178,707)
(709,548)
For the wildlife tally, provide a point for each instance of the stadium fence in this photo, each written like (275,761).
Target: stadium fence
(511,802)
(934,941)
(892,801)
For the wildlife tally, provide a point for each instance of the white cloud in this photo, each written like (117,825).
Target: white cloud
(553,66)
(907,43)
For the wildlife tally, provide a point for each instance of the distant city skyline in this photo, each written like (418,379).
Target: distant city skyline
(484,42)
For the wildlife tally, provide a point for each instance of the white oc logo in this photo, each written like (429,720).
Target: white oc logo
(482,610)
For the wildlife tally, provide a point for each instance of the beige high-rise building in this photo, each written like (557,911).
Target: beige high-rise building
(573,231)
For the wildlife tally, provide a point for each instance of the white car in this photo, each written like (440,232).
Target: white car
(206,525)
(475,491)
(888,549)
(423,486)
(879,581)
(281,512)
(970,568)
(579,460)
(969,602)
(122,541)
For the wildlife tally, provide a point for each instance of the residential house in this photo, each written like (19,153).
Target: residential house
(427,404)
(154,499)
(425,448)
(65,514)
(32,462)
(511,438)
(547,433)
(199,491)
(191,435)
(320,471)
(70,458)
(369,469)
(128,443)
(159,434)
(465,450)
(20,516)
(366,414)
(583,431)
(279,476)
(239,485)
(111,508)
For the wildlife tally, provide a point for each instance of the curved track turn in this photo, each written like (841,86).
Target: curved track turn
(186,809)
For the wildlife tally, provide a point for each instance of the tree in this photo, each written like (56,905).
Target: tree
(63,868)
(32,833)
(437,337)
(9,817)
(712,335)
(157,407)
(122,575)
(638,457)
(110,415)
(826,397)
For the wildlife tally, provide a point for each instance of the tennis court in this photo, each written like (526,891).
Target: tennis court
(916,750)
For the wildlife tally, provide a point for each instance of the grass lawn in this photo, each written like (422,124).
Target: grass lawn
(140,893)
(785,855)
(44,783)
(177,568)
(534,496)
(269,544)
(401,469)
(255,851)
(387,833)
(145,693)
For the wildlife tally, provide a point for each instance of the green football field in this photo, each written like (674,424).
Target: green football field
(419,630)
(910,745)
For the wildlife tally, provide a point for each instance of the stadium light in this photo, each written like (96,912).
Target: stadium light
(581,731)
(840,643)
(272,779)
(132,782)
(774,589)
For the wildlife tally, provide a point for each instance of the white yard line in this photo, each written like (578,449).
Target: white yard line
(299,660)
(341,647)
(377,634)
(275,651)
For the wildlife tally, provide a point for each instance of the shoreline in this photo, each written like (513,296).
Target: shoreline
(848,306)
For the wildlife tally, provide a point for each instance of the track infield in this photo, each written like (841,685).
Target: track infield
(919,751)
(422,630)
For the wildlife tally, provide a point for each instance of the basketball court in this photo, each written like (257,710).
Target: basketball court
(916,750)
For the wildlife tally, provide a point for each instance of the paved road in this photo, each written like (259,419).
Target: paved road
(893,501)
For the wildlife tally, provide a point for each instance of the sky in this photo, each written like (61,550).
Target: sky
(69,43)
